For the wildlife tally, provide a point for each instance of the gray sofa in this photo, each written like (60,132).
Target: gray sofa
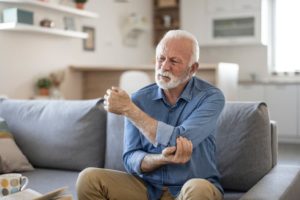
(60,138)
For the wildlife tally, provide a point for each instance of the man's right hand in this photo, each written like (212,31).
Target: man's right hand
(180,154)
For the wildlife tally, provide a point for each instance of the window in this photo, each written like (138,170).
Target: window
(286,36)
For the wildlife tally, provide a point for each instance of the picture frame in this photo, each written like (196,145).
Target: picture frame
(89,43)
(69,23)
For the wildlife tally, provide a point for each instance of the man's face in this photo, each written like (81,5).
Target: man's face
(172,63)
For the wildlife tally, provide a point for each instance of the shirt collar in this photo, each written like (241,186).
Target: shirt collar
(186,94)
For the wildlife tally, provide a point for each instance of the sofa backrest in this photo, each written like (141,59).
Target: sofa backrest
(243,138)
(114,142)
(58,134)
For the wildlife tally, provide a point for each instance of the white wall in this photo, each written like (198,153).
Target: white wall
(26,56)
(251,59)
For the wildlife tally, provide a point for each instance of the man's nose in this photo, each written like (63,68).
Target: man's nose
(165,66)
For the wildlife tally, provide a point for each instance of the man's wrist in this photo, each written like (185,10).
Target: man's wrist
(163,160)
(152,162)
(131,108)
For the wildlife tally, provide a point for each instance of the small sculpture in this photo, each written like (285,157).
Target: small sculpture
(57,78)
(47,23)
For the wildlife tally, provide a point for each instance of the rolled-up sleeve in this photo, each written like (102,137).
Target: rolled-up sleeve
(163,133)
(134,161)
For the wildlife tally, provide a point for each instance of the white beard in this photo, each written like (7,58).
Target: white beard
(174,81)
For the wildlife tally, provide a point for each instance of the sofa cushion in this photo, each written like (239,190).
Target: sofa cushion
(58,133)
(11,157)
(243,145)
(46,180)
(114,142)
(232,195)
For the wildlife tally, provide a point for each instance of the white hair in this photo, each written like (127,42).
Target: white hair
(176,34)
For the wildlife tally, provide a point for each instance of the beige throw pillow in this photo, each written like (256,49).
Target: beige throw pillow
(11,157)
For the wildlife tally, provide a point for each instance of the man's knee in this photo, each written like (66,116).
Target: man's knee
(196,184)
(199,189)
(89,183)
(85,176)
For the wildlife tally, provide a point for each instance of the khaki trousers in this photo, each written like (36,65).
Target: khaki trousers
(105,184)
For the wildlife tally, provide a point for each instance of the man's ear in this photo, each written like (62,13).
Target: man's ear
(194,68)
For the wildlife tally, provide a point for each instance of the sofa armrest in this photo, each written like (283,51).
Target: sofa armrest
(274,142)
(281,183)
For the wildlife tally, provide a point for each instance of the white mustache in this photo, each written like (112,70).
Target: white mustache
(166,74)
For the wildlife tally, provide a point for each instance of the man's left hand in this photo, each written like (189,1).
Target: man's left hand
(117,101)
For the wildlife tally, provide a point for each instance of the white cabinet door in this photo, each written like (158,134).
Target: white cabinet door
(224,22)
(193,16)
(219,6)
(246,5)
(282,104)
(251,92)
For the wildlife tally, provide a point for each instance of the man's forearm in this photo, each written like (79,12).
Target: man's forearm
(146,124)
(151,162)
(170,155)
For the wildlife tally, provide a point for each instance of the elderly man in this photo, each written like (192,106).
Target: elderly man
(169,143)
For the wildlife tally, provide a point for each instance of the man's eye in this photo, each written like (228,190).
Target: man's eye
(161,59)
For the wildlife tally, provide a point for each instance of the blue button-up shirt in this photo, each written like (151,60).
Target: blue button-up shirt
(194,117)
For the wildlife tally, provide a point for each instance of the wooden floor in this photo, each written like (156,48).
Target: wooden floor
(289,154)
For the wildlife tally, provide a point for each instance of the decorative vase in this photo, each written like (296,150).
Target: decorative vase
(80,6)
(44,91)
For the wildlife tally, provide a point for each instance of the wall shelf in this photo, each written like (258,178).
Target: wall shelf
(36,29)
(54,6)
(165,19)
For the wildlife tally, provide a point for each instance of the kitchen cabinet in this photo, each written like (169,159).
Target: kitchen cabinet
(229,6)
(246,5)
(226,22)
(217,6)
(47,7)
(253,92)
(282,103)
(222,75)
(283,100)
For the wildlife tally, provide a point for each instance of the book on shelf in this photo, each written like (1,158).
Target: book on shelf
(29,194)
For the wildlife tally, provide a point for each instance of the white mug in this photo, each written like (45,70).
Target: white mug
(12,183)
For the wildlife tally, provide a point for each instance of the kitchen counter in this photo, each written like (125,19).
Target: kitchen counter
(272,81)
(97,79)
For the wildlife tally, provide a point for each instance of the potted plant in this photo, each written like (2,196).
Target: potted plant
(44,84)
(80,3)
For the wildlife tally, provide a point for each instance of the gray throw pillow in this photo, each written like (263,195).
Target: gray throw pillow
(62,134)
(243,145)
